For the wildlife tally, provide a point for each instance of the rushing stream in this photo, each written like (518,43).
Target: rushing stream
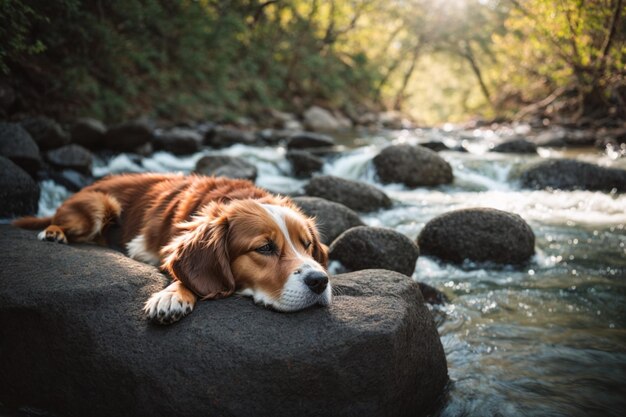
(547,340)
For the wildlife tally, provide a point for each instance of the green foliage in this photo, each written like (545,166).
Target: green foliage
(439,60)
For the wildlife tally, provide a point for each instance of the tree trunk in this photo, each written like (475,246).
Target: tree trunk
(401,95)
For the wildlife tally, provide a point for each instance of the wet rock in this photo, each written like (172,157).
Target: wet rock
(480,235)
(127,137)
(19,193)
(274,136)
(432,295)
(569,174)
(435,146)
(365,247)
(332,218)
(394,120)
(70,179)
(17,145)
(413,166)
(226,166)
(222,137)
(304,163)
(46,133)
(561,138)
(88,132)
(357,195)
(307,140)
(375,351)
(73,157)
(179,141)
(516,146)
(283,120)
(320,120)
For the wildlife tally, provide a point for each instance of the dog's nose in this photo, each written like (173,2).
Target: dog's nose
(316,281)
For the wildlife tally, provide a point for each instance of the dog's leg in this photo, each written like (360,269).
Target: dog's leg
(171,304)
(82,217)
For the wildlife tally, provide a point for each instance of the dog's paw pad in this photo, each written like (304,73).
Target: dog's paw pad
(167,307)
(52,234)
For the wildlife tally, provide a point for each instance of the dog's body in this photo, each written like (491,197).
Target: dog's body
(214,236)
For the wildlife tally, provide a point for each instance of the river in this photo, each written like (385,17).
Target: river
(549,339)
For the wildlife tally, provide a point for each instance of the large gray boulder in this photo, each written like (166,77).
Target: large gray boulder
(307,140)
(88,132)
(518,145)
(17,145)
(365,247)
(304,163)
(222,137)
(73,157)
(47,133)
(19,193)
(74,342)
(478,234)
(569,174)
(226,166)
(128,136)
(179,141)
(357,195)
(413,166)
(320,120)
(332,218)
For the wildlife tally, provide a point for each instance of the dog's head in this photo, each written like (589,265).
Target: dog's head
(271,252)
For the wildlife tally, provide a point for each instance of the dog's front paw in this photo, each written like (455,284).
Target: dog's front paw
(53,234)
(169,305)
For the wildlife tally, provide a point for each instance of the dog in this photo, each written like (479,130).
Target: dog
(214,236)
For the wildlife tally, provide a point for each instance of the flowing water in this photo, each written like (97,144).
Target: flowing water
(549,339)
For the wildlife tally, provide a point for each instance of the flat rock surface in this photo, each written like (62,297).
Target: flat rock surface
(74,342)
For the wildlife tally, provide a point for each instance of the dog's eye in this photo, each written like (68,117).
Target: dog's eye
(268,249)
(306,244)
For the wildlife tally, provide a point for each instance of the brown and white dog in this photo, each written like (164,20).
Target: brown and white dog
(214,236)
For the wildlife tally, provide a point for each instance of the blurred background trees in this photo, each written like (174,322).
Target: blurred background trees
(437,60)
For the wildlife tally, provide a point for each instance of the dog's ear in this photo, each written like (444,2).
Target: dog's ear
(198,256)
(320,251)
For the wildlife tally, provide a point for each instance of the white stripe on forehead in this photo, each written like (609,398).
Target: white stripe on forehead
(279,214)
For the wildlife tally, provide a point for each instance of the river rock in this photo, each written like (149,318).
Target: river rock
(179,141)
(413,166)
(19,193)
(129,136)
(304,163)
(88,132)
(357,195)
(320,120)
(569,174)
(222,137)
(73,157)
(46,133)
(365,247)
(516,146)
(76,329)
(17,145)
(560,138)
(435,146)
(332,218)
(432,295)
(226,166)
(72,180)
(480,235)
(307,140)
